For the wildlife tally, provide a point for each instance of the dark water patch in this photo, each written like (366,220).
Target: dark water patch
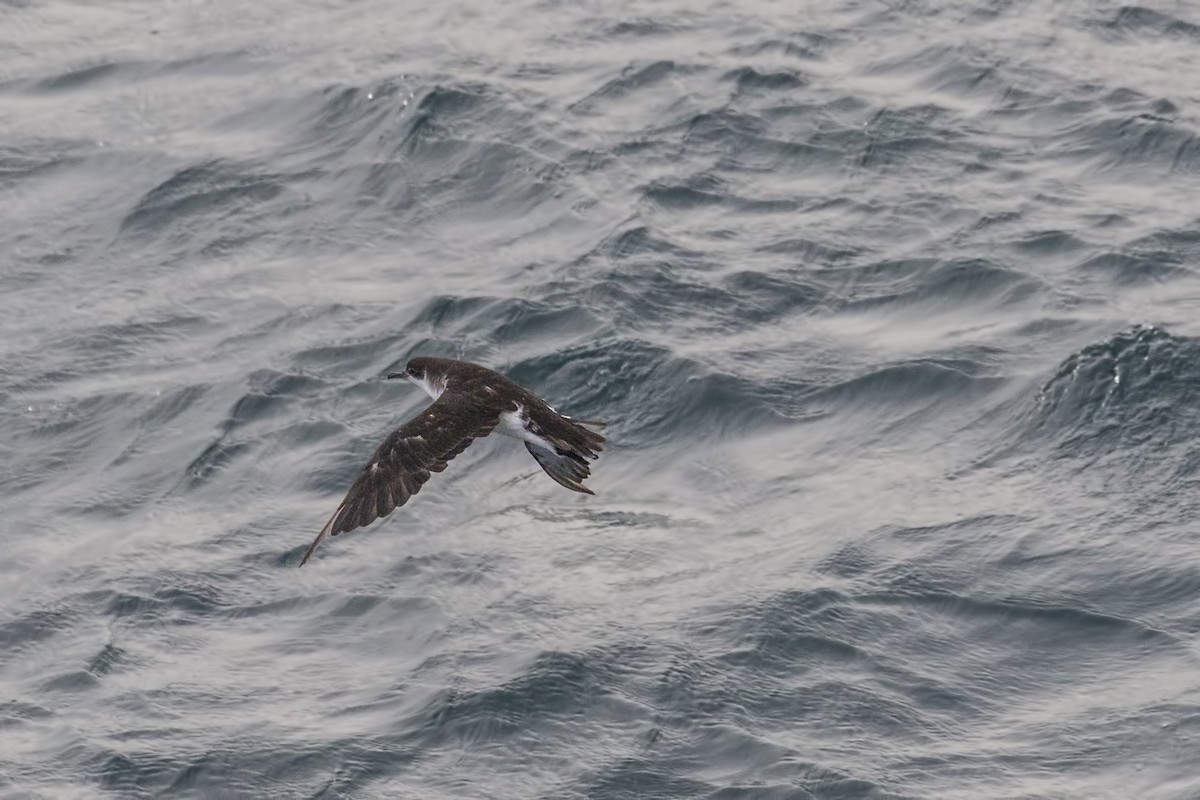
(238,767)
(783,650)
(109,658)
(350,357)
(639,778)
(638,27)
(92,350)
(115,771)
(344,124)
(683,198)
(274,323)
(911,151)
(168,406)
(941,598)
(802,45)
(932,281)
(1121,98)
(1105,221)
(186,603)
(437,153)
(971,527)
(1135,391)
(466,177)
(715,402)
(529,321)
(80,417)
(34,627)
(641,241)
(283,607)
(584,162)
(998,220)
(699,690)
(557,688)
(745,142)
(930,663)
(1047,244)
(348,768)
(991,10)
(29,162)
(1140,21)
(1137,146)
(298,435)
(645,293)
(367,605)
(81,78)
(1037,108)
(271,394)
(909,385)
(957,73)
(428,153)
(646,281)
(1164,111)
(1172,246)
(918,136)
(101,347)
(212,191)
(759,297)
(1130,269)
(748,80)
(80,435)
(452,312)
(1030,622)
(15,713)
(129,72)
(1161,596)
(455,568)
(832,646)
(810,253)
(73,681)
(453,105)
(633,79)
(721,761)
(724,130)
(214,460)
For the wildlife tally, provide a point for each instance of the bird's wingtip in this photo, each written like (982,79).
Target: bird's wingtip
(322,536)
(307,554)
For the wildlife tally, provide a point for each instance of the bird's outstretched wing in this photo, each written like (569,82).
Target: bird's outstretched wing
(404,461)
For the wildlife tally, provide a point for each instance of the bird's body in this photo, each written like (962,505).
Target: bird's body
(469,402)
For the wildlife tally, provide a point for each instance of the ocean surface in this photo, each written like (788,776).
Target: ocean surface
(892,306)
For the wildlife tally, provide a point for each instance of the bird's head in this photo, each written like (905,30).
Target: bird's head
(423,371)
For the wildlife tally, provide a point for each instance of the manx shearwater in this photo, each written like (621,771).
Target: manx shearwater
(469,402)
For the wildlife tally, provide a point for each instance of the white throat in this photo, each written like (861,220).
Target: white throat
(432,387)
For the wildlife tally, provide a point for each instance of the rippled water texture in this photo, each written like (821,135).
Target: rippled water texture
(893,309)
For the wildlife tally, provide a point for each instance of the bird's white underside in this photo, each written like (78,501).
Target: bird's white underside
(512,423)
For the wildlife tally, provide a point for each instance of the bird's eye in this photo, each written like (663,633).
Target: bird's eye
(412,371)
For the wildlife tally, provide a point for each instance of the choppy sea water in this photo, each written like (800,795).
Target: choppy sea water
(893,309)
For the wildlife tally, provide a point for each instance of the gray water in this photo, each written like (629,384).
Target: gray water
(893,309)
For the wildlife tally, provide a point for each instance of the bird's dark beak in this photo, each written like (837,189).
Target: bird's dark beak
(393,375)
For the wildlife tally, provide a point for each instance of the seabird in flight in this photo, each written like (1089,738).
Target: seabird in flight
(469,402)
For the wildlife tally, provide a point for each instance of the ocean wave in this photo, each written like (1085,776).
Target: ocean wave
(1135,389)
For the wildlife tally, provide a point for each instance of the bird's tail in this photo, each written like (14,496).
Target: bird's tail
(567,469)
